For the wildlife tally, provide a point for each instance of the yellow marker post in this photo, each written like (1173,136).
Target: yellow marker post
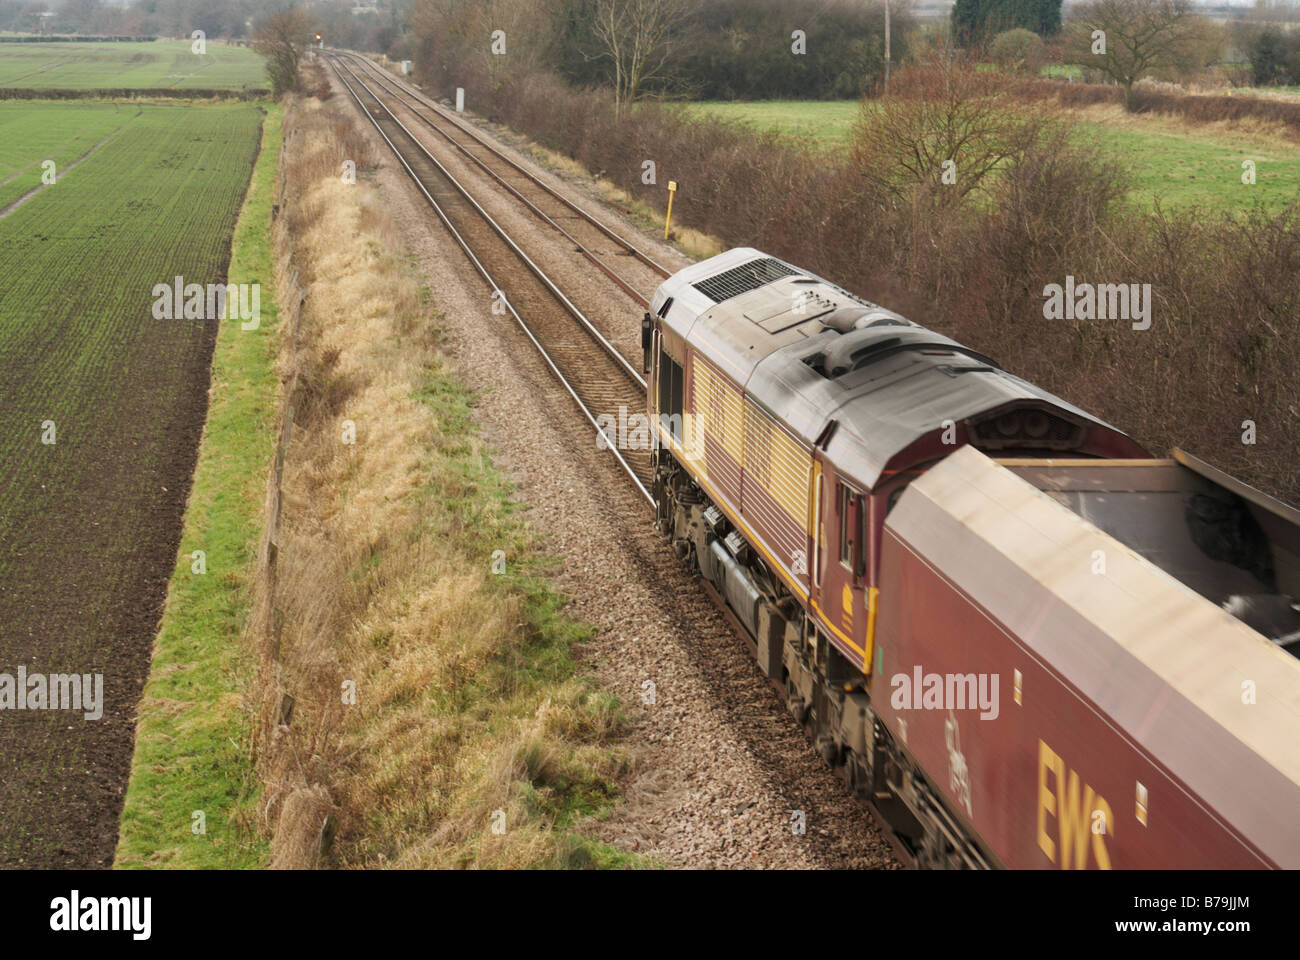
(668,221)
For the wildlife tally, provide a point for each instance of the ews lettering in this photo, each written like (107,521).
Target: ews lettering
(1080,817)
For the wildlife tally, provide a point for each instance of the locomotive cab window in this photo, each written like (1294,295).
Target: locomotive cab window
(671,390)
(850,540)
(864,536)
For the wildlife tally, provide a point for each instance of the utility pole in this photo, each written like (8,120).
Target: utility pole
(886,46)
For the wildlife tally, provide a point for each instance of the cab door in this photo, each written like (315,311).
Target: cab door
(842,563)
(816,533)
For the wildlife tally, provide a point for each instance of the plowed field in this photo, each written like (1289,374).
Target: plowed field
(89,523)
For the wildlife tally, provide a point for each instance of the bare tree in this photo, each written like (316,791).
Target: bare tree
(635,35)
(282,38)
(1127,39)
(945,129)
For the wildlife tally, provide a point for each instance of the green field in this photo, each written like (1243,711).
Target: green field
(1062,70)
(821,124)
(79,260)
(1185,169)
(1290,92)
(129,65)
(30,135)
(191,746)
(102,408)
(1180,167)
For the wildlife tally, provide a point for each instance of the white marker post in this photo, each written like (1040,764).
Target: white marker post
(460,99)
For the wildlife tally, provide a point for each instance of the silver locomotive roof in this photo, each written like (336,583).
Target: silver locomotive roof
(810,352)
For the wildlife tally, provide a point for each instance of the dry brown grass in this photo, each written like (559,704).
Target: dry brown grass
(465,700)
(695,244)
(1226,109)
(1250,129)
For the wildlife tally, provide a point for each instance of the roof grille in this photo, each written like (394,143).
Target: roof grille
(747,276)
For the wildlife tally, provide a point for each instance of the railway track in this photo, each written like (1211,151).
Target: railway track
(601,382)
(598,381)
(640,273)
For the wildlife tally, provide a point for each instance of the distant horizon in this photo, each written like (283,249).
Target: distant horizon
(916,4)
(1244,4)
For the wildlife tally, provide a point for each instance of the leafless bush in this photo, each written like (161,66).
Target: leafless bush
(1204,109)
(1195,108)
(944,128)
(282,38)
(1031,206)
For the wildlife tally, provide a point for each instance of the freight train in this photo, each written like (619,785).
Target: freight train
(1022,638)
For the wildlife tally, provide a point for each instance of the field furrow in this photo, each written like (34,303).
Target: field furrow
(88,523)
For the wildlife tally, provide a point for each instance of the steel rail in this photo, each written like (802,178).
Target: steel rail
(483,271)
(537,271)
(487,145)
(541,214)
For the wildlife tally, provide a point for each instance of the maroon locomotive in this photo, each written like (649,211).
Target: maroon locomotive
(1001,617)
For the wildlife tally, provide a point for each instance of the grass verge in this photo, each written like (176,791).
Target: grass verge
(418,702)
(193,739)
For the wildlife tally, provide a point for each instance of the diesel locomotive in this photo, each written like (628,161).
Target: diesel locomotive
(1022,638)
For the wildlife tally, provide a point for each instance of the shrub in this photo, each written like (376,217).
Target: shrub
(944,126)
(1274,57)
(1019,50)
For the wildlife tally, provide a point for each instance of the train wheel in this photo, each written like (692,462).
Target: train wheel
(857,775)
(826,746)
(794,703)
